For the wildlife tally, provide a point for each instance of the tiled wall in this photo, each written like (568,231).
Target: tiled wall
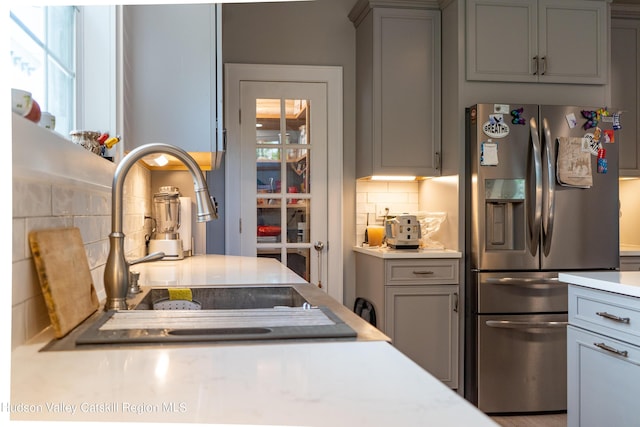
(399,197)
(44,197)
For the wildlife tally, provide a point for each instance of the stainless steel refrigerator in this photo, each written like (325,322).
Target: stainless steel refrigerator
(541,197)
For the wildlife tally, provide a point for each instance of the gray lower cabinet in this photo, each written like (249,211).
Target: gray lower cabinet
(416,303)
(603,359)
(630,263)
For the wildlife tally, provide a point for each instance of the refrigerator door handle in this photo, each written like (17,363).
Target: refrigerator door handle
(541,283)
(534,202)
(508,324)
(549,190)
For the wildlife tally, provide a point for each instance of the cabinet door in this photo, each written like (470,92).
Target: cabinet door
(284,192)
(422,322)
(602,377)
(170,79)
(502,40)
(406,100)
(547,41)
(625,90)
(573,42)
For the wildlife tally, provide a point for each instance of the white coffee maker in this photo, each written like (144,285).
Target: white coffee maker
(166,219)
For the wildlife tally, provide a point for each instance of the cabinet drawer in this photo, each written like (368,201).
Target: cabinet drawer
(614,315)
(601,374)
(421,271)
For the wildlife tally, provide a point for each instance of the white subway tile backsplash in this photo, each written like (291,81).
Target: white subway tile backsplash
(404,208)
(92,228)
(100,204)
(132,223)
(365,208)
(31,198)
(36,316)
(139,206)
(404,187)
(18,241)
(374,195)
(97,253)
(97,276)
(41,223)
(62,202)
(24,281)
(48,194)
(18,325)
(372,186)
(81,202)
(388,198)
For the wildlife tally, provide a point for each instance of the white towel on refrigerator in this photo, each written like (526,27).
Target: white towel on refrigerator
(573,167)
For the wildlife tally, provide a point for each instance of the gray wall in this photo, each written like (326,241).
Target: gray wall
(304,33)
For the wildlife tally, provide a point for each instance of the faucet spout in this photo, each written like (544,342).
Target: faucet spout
(116,273)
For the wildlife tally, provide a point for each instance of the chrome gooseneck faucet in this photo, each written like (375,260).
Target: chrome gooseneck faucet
(116,273)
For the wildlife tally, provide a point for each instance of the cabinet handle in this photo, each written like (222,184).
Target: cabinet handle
(544,65)
(603,346)
(224,140)
(455,302)
(423,272)
(613,317)
(535,65)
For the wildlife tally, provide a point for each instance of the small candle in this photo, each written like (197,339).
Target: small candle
(375,234)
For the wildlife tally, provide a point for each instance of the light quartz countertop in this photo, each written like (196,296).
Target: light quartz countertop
(304,383)
(629,250)
(385,252)
(215,270)
(621,282)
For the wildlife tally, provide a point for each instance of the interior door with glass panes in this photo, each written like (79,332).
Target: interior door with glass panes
(284,174)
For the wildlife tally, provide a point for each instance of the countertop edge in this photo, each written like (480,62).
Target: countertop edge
(408,253)
(620,282)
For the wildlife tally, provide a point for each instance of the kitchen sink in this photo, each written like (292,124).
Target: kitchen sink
(240,313)
(231,298)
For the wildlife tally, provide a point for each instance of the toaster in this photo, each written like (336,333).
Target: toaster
(403,232)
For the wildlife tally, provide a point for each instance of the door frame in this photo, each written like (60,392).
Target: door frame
(332,77)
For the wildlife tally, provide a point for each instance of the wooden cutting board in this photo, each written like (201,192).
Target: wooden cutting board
(65,279)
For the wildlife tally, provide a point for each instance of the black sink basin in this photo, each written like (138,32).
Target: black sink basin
(232,298)
(241,313)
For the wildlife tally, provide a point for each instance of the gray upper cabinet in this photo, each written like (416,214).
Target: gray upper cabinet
(548,41)
(397,90)
(625,86)
(172,79)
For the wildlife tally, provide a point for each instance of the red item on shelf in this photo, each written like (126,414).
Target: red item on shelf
(269,230)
